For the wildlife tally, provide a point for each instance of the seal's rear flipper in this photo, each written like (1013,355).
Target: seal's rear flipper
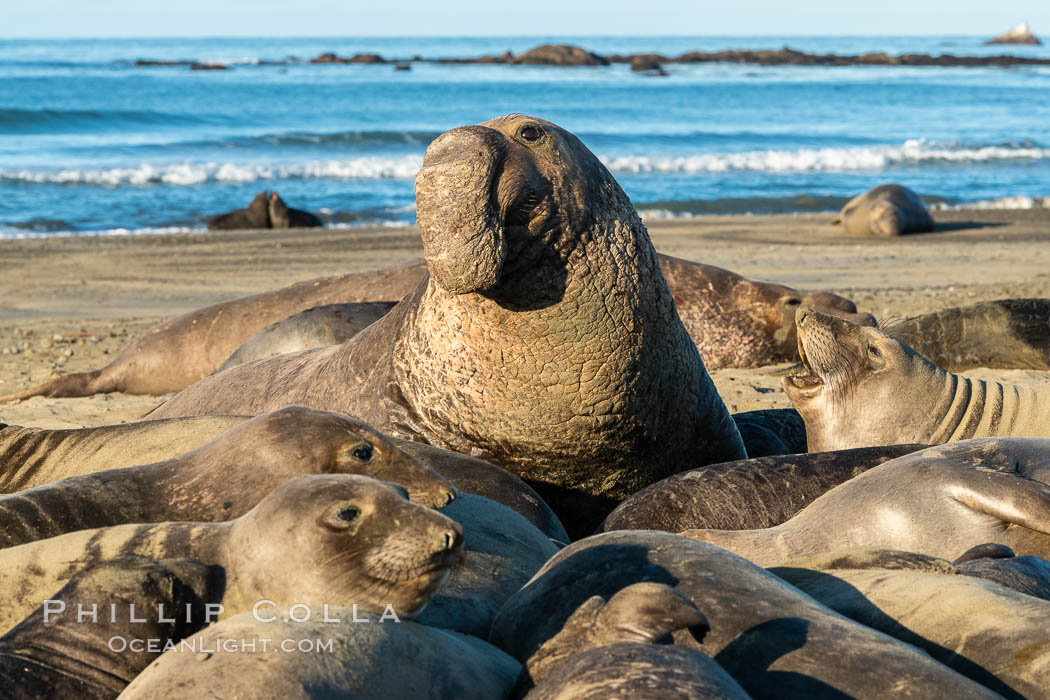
(1010,497)
(69,386)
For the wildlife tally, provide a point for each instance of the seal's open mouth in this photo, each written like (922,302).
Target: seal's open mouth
(805,377)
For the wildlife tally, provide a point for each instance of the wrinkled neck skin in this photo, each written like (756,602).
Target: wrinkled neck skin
(921,403)
(584,372)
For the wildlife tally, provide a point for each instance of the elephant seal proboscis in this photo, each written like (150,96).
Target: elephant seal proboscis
(221,480)
(886,210)
(32,456)
(994,635)
(255,215)
(334,539)
(283,216)
(331,324)
(772,639)
(734,321)
(1001,334)
(613,649)
(360,660)
(544,339)
(745,495)
(858,387)
(939,501)
(57,653)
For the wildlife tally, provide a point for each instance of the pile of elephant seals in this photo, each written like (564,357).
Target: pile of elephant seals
(267,210)
(886,210)
(544,338)
(859,387)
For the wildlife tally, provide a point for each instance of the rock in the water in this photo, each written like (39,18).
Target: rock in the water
(1018,35)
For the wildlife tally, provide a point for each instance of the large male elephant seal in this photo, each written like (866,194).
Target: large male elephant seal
(939,501)
(1006,334)
(859,387)
(221,480)
(31,457)
(994,635)
(746,495)
(886,210)
(255,215)
(774,640)
(335,539)
(365,660)
(56,653)
(544,338)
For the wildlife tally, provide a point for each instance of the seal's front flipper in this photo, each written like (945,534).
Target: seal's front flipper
(1011,497)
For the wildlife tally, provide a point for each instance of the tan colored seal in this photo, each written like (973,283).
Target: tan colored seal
(886,210)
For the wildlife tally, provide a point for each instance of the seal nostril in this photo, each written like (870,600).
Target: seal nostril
(452,540)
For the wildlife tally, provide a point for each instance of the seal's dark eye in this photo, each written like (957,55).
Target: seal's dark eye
(530,133)
(793,302)
(348,514)
(363,453)
(874,351)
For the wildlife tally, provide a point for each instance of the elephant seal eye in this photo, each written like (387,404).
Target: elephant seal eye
(363,452)
(874,351)
(530,133)
(348,514)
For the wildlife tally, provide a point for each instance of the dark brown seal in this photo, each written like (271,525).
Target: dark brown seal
(886,210)
(221,480)
(544,338)
(939,501)
(773,640)
(859,387)
(283,216)
(56,653)
(335,539)
(746,495)
(255,215)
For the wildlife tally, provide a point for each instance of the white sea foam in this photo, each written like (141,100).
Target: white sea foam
(1016,202)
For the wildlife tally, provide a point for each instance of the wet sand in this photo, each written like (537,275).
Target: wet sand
(70,304)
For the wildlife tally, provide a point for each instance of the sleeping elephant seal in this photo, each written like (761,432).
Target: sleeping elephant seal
(331,324)
(1005,334)
(613,649)
(221,480)
(366,661)
(858,387)
(886,210)
(772,639)
(255,215)
(56,653)
(746,495)
(544,338)
(338,539)
(994,635)
(939,501)
(32,457)
(283,216)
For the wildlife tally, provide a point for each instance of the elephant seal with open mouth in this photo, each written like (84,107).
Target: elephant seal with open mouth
(544,338)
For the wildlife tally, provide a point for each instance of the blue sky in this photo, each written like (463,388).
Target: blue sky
(122,18)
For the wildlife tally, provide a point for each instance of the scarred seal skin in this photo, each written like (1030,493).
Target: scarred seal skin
(859,387)
(886,210)
(221,480)
(56,653)
(544,339)
(772,639)
(939,502)
(335,539)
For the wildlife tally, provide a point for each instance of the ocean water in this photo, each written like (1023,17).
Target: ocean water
(91,143)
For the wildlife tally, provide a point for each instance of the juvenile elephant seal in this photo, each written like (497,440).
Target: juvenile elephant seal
(221,480)
(283,216)
(32,457)
(331,324)
(255,215)
(734,321)
(994,635)
(746,495)
(56,653)
(367,661)
(336,539)
(773,640)
(940,501)
(1007,334)
(544,338)
(859,387)
(886,210)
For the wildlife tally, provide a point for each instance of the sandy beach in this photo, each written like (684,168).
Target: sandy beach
(71,303)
